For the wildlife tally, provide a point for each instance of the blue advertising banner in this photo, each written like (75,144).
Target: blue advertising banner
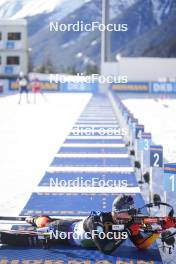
(78,87)
(45,85)
(138,87)
(169,179)
(163,87)
(156,156)
(145,87)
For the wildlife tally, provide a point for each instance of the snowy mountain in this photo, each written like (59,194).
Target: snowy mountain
(118,7)
(151,29)
(8,8)
(25,8)
(75,49)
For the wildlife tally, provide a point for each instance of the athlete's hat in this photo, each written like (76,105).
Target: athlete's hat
(123,203)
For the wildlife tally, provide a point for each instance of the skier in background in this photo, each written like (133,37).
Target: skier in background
(36,88)
(23,86)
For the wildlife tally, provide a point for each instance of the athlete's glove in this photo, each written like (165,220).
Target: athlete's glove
(38,221)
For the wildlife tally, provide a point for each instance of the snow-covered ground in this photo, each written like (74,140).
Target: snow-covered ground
(30,136)
(159,117)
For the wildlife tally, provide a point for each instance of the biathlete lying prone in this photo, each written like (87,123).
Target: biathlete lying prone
(105,231)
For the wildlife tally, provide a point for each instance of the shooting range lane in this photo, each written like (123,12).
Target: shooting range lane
(90,150)
(80,178)
(97,115)
(92,162)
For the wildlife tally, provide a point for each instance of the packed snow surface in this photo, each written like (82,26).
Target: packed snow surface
(158,115)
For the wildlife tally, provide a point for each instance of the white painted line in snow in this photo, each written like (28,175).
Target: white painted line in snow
(90,169)
(94,137)
(93,120)
(86,111)
(108,118)
(94,145)
(102,116)
(57,189)
(95,126)
(96,122)
(97,109)
(98,105)
(98,115)
(96,130)
(84,155)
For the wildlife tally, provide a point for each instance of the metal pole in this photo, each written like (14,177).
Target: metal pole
(165,201)
(151,186)
(142,162)
(141,157)
(105,36)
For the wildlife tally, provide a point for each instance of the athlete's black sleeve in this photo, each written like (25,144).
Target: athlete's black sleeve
(21,240)
(96,224)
